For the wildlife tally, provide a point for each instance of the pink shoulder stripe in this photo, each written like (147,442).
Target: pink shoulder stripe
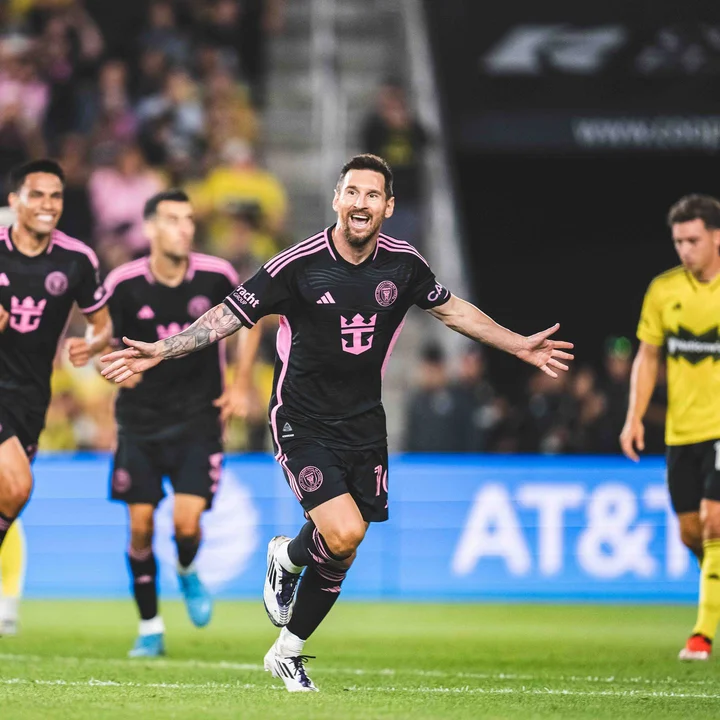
(392,248)
(309,251)
(125,272)
(68,243)
(404,245)
(302,245)
(209,263)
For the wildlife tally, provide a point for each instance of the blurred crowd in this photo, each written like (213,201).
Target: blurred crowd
(582,411)
(132,98)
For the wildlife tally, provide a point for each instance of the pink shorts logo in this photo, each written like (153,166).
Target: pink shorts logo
(198,306)
(386,293)
(121,481)
(310,478)
(56,283)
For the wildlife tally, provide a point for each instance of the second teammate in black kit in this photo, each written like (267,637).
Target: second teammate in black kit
(342,296)
(169,419)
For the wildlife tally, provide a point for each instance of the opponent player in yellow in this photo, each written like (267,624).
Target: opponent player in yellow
(681,312)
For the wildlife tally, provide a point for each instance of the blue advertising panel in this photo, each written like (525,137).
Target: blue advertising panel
(461,528)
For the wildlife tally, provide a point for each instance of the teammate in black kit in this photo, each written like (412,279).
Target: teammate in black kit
(342,296)
(43,272)
(170,418)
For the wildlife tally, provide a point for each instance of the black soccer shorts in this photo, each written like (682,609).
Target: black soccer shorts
(193,466)
(26,427)
(693,473)
(316,474)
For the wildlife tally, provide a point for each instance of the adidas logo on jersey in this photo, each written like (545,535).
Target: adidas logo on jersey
(145,313)
(287,427)
(4,282)
(326,299)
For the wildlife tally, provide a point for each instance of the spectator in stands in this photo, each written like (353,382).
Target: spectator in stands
(117,196)
(393,132)
(547,415)
(433,423)
(616,381)
(589,428)
(76,219)
(238,180)
(163,34)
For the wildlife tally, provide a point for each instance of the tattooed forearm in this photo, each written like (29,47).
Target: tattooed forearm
(214,325)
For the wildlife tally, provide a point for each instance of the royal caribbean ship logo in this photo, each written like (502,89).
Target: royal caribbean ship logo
(694,348)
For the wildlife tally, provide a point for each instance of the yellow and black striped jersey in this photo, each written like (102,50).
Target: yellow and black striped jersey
(683,315)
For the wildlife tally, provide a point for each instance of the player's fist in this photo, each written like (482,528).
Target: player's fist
(4,317)
(632,439)
(79,351)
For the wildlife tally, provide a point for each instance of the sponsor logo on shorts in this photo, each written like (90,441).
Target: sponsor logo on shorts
(121,481)
(198,306)
(56,283)
(310,478)
(386,293)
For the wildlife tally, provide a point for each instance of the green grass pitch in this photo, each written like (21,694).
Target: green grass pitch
(373,661)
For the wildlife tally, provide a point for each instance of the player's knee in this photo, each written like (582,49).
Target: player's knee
(710,518)
(15,488)
(692,539)
(344,542)
(187,527)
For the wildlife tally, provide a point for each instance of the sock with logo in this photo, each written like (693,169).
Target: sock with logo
(709,605)
(12,561)
(143,570)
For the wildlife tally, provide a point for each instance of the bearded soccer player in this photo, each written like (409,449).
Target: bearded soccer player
(342,296)
(681,313)
(43,272)
(170,418)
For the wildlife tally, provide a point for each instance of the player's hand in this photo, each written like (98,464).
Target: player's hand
(235,401)
(546,354)
(137,358)
(4,318)
(79,351)
(632,439)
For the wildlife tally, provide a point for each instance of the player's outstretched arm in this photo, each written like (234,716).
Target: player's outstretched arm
(642,384)
(214,325)
(538,350)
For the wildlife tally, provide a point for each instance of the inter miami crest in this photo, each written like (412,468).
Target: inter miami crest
(694,348)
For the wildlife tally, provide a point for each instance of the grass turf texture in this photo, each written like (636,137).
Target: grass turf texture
(373,661)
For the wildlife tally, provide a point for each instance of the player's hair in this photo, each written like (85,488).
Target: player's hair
(696,207)
(16,176)
(171,195)
(366,161)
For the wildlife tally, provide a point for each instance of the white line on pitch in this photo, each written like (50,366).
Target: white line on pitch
(95,683)
(384,672)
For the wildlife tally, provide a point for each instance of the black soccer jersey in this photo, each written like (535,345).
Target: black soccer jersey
(177,396)
(339,323)
(39,293)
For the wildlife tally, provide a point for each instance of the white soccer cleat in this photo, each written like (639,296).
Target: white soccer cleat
(280,586)
(9,615)
(291,670)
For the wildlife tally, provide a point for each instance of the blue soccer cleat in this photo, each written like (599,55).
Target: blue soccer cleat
(148,646)
(197,598)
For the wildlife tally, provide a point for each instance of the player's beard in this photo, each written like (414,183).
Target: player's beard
(360,241)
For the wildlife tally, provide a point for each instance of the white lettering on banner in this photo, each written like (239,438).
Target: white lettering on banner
(492,530)
(678,557)
(609,548)
(528,49)
(551,502)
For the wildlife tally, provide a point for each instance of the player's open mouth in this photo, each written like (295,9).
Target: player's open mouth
(359,222)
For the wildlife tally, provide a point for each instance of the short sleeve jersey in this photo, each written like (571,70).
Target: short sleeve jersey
(176,397)
(38,292)
(683,316)
(338,325)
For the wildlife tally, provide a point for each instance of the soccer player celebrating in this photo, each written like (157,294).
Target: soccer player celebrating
(43,272)
(342,296)
(170,419)
(680,313)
